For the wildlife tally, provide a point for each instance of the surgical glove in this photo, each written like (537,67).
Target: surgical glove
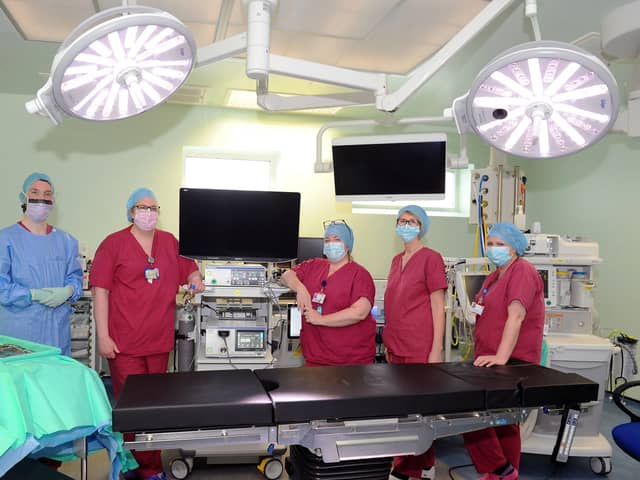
(52,297)
(38,295)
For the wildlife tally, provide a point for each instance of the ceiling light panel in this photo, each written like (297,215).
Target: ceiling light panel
(333,18)
(200,11)
(48,21)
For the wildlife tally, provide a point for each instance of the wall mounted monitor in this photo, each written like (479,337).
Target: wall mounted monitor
(390,167)
(239,225)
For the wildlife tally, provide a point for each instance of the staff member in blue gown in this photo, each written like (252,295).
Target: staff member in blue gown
(39,271)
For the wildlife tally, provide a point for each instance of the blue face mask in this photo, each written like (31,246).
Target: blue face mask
(499,256)
(334,251)
(407,232)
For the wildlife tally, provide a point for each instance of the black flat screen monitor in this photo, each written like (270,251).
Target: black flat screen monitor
(310,247)
(239,224)
(390,167)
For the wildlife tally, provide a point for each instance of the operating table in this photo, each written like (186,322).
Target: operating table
(341,421)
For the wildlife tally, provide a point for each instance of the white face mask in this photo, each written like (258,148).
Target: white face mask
(38,210)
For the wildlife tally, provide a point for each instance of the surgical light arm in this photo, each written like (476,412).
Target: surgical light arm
(261,63)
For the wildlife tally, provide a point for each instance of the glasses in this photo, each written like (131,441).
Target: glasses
(147,208)
(34,192)
(404,221)
(326,223)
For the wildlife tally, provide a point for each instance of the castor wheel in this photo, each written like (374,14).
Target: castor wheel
(271,468)
(600,465)
(180,468)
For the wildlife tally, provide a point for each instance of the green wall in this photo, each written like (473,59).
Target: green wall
(592,194)
(96,166)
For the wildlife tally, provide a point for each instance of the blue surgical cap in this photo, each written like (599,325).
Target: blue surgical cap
(137,195)
(34,177)
(509,234)
(420,214)
(343,232)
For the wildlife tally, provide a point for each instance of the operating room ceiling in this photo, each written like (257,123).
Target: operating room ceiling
(390,36)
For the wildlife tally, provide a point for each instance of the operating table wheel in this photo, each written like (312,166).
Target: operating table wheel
(180,468)
(271,468)
(600,465)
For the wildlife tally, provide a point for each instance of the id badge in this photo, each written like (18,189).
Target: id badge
(151,274)
(477,308)
(318,297)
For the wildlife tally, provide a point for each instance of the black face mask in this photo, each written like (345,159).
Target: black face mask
(41,200)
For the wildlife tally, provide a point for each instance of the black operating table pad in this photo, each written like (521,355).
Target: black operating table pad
(241,398)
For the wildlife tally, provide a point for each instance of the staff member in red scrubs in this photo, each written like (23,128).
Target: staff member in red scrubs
(510,323)
(335,296)
(134,280)
(414,316)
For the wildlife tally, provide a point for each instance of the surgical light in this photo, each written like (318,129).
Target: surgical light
(540,99)
(116,64)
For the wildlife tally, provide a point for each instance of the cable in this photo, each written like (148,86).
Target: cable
(228,354)
(455,335)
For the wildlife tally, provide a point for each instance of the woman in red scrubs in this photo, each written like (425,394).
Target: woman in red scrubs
(335,296)
(414,316)
(134,280)
(509,326)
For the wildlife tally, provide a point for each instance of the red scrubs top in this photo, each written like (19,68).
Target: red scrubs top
(408,329)
(141,314)
(350,345)
(520,282)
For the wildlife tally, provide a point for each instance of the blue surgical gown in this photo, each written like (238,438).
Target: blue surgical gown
(29,261)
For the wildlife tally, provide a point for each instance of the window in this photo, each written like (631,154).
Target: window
(455,203)
(210,168)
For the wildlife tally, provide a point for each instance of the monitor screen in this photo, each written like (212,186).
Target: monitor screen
(250,340)
(473,284)
(390,167)
(239,225)
(310,247)
(294,318)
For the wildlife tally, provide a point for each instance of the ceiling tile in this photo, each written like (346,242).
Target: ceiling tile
(347,19)
(383,56)
(239,15)
(201,11)
(203,33)
(48,21)
(307,46)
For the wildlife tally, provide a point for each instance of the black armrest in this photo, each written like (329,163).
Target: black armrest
(617,397)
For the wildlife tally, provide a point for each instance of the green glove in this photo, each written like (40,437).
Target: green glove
(52,297)
(38,295)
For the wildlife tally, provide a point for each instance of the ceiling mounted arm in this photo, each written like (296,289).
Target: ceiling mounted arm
(392,101)
(217,51)
(275,102)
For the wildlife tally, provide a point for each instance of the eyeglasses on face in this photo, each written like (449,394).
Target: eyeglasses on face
(147,208)
(326,223)
(408,221)
(34,192)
